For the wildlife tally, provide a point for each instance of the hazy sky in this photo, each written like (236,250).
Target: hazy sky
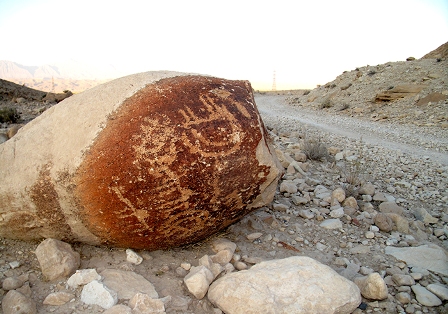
(305,42)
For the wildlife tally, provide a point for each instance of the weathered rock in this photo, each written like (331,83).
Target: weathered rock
(291,285)
(331,224)
(82,277)
(97,293)
(143,304)
(11,283)
(400,91)
(430,257)
(372,286)
(440,291)
(433,98)
(400,222)
(198,281)
(98,168)
(403,280)
(58,298)
(439,53)
(425,297)
(57,259)
(391,207)
(133,257)
(383,222)
(15,302)
(367,189)
(127,283)
(422,215)
(338,194)
(288,187)
(350,202)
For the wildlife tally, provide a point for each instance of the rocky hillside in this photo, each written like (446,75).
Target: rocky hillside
(410,92)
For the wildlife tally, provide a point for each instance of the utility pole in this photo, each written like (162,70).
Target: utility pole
(274,84)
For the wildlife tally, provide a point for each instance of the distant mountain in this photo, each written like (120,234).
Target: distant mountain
(69,70)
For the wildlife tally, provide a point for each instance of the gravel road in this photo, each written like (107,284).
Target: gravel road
(424,143)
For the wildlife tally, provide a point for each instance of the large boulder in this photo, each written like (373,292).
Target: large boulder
(296,284)
(148,161)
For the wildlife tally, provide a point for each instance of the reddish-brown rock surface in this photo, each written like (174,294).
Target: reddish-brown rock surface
(163,165)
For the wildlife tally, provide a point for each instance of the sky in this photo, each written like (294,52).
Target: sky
(306,43)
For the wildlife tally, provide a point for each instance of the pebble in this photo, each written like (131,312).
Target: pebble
(425,297)
(331,224)
(11,283)
(439,290)
(133,257)
(254,236)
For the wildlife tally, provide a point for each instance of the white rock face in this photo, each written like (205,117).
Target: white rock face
(331,224)
(198,280)
(292,285)
(57,259)
(82,277)
(429,257)
(127,283)
(97,293)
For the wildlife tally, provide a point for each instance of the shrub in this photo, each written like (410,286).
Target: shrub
(315,149)
(9,115)
(327,103)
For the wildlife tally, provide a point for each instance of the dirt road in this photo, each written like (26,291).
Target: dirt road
(423,143)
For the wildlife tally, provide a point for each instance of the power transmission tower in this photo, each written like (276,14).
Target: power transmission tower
(274,84)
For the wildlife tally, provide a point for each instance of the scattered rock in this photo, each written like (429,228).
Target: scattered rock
(82,277)
(383,222)
(291,285)
(430,257)
(331,224)
(97,293)
(403,280)
(372,286)
(11,283)
(57,259)
(440,291)
(119,309)
(142,304)
(15,302)
(198,281)
(58,298)
(127,283)
(425,297)
(133,257)
(422,215)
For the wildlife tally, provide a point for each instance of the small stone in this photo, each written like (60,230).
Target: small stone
(299,200)
(288,187)
(338,194)
(360,249)
(223,256)
(254,236)
(416,276)
(306,213)
(369,234)
(403,280)
(240,266)
(14,264)
(367,189)
(127,283)
(403,297)
(142,304)
(422,215)
(181,272)
(198,281)
(185,265)
(331,224)
(57,259)
(401,223)
(337,213)
(372,286)
(350,202)
(82,277)
(97,293)
(365,270)
(11,283)
(15,302)
(383,197)
(391,207)
(58,298)
(425,297)
(383,222)
(133,257)
(439,290)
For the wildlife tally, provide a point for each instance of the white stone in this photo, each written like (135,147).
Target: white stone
(424,297)
(198,281)
(296,284)
(439,290)
(223,256)
(338,194)
(97,293)
(337,213)
(372,286)
(430,257)
(133,257)
(185,266)
(82,277)
(127,283)
(221,244)
(254,236)
(119,309)
(58,298)
(369,234)
(331,224)
(57,259)
(142,303)
(306,213)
